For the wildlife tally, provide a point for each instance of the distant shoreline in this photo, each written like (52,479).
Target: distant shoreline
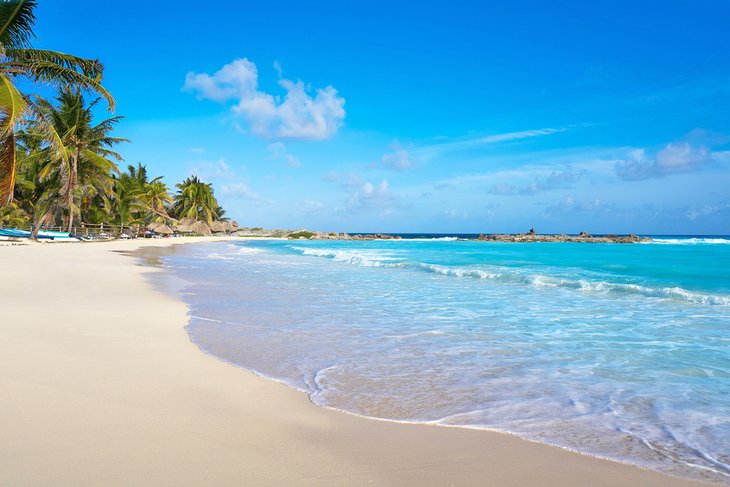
(531,237)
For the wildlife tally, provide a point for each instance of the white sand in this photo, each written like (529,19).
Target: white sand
(100,385)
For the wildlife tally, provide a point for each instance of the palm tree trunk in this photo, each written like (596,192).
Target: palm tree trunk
(72,187)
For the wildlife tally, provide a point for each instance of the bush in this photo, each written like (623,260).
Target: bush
(13,216)
(301,234)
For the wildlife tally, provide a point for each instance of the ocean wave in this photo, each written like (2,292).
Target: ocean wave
(217,256)
(249,250)
(373,259)
(378,259)
(458,271)
(690,241)
(623,288)
(541,280)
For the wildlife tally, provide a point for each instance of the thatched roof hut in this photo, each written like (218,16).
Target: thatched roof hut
(180,228)
(201,228)
(187,221)
(159,227)
(218,227)
(163,229)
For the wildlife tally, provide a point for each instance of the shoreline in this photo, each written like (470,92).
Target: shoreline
(119,394)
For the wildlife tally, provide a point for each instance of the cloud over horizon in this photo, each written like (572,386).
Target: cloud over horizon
(226,181)
(474,142)
(672,159)
(279,152)
(399,159)
(299,115)
(555,180)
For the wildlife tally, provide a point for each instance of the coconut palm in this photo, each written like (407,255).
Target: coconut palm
(128,201)
(19,61)
(155,193)
(157,196)
(195,199)
(83,170)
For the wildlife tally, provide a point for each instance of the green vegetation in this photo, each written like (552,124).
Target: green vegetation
(195,199)
(58,166)
(18,61)
(301,234)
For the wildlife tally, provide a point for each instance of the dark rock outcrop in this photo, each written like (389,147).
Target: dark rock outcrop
(583,237)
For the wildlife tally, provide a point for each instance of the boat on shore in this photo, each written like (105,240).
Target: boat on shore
(42,234)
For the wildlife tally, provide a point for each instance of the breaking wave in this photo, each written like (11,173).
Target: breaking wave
(690,241)
(379,259)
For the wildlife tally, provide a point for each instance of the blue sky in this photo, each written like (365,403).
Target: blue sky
(449,117)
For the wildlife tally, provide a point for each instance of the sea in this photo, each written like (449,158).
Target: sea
(620,351)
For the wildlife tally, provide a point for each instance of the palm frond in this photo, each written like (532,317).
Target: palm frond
(41,115)
(12,104)
(16,22)
(106,125)
(7,167)
(100,163)
(58,75)
(27,56)
(109,154)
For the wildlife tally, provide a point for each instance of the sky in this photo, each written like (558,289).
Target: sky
(445,117)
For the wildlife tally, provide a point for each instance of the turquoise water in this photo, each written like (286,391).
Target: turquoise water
(620,351)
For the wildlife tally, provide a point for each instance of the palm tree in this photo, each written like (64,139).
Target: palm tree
(128,199)
(195,199)
(86,164)
(19,61)
(158,198)
(155,193)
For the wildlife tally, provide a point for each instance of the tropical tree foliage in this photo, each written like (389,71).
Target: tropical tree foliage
(128,200)
(18,60)
(147,200)
(58,164)
(195,199)
(81,160)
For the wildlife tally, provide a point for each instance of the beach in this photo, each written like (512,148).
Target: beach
(101,385)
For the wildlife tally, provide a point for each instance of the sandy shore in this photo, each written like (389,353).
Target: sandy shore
(100,385)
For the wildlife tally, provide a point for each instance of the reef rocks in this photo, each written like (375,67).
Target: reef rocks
(582,237)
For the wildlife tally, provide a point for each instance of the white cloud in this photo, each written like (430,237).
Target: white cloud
(238,79)
(571,205)
(239,190)
(298,116)
(369,195)
(399,159)
(681,158)
(366,195)
(706,211)
(279,153)
(673,159)
(455,214)
(225,180)
(470,143)
(310,207)
(555,180)
(207,170)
